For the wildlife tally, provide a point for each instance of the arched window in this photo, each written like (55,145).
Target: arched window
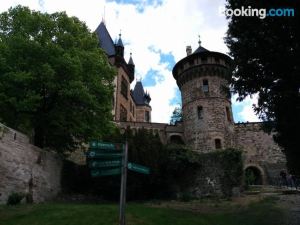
(205,86)
(218,143)
(200,112)
(228,114)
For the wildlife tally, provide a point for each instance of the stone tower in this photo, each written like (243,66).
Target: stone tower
(203,77)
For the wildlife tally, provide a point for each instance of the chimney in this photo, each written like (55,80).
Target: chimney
(188,50)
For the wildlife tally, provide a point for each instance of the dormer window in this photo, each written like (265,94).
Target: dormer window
(205,87)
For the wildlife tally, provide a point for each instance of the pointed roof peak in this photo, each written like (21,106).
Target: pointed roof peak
(140,96)
(120,43)
(130,62)
(199,42)
(106,43)
(200,48)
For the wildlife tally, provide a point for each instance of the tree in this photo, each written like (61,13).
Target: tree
(267,59)
(176,116)
(55,82)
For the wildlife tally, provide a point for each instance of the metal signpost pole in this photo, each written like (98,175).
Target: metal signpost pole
(123,186)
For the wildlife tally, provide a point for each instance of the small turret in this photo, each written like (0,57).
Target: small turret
(131,68)
(147,98)
(119,47)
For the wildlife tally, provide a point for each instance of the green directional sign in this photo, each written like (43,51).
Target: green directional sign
(106,146)
(107,163)
(138,168)
(101,154)
(106,172)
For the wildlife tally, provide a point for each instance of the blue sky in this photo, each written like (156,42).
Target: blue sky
(157,33)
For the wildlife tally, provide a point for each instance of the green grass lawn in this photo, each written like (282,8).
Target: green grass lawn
(262,213)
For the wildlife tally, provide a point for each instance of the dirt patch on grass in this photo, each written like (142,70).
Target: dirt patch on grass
(210,205)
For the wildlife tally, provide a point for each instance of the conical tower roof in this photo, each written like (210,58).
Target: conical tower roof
(106,43)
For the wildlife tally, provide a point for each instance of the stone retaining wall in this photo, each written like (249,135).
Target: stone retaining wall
(27,169)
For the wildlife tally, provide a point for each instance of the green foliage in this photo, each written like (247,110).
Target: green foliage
(232,164)
(174,170)
(55,82)
(15,198)
(266,54)
(229,164)
(176,116)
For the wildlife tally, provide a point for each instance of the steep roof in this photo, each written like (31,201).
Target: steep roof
(120,42)
(139,95)
(200,49)
(106,43)
(130,62)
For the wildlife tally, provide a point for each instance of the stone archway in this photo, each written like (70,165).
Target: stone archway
(175,139)
(254,175)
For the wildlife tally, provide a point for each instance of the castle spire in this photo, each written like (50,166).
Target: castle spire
(130,61)
(120,43)
(199,42)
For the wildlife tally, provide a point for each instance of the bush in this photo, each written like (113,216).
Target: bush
(15,198)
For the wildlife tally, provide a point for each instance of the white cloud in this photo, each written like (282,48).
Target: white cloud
(246,114)
(168,28)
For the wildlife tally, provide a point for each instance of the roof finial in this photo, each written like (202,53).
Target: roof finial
(103,16)
(120,34)
(199,42)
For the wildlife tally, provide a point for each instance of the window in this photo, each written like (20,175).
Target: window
(218,143)
(131,107)
(228,114)
(147,116)
(205,87)
(200,112)
(123,113)
(124,87)
(204,59)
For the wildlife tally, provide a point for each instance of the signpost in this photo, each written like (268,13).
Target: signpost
(101,154)
(138,168)
(107,159)
(109,172)
(108,163)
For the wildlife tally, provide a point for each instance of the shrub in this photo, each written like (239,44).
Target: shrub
(15,198)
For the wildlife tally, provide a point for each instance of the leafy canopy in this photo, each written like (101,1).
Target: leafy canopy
(267,61)
(176,116)
(55,82)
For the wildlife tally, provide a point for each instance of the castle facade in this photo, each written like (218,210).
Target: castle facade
(203,78)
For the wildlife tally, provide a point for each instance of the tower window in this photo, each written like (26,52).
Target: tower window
(204,59)
(228,114)
(200,112)
(147,116)
(123,113)
(218,143)
(205,87)
(124,87)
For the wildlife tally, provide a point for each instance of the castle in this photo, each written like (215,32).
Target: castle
(203,78)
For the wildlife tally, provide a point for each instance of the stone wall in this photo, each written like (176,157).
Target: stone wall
(260,150)
(164,130)
(27,169)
